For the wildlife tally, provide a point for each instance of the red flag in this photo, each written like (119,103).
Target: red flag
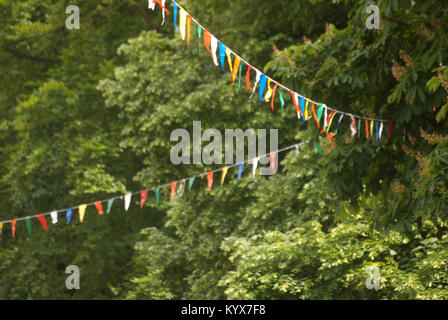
(209,180)
(143,196)
(161,5)
(295,103)
(367,129)
(272,156)
(173,190)
(315,116)
(99,207)
(207,41)
(42,221)
(13,229)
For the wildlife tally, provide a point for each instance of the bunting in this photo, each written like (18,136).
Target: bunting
(144,193)
(305,107)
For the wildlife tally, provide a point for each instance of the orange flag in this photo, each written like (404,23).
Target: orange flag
(188,29)
(99,207)
(208,41)
(236,66)
(13,230)
(209,180)
(173,190)
(42,221)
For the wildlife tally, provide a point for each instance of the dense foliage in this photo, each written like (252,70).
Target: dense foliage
(87,114)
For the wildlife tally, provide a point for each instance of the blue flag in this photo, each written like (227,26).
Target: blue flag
(263,81)
(302,108)
(240,170)
(69,214)
(222,54)
(175,14)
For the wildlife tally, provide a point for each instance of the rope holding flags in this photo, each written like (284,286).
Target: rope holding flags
(82,208)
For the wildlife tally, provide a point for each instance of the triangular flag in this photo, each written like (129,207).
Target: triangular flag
(339,122)
(28,225)
(175,14)
(99,207)
(302,109)
(188,30)
(54,217)
(182,22)
(257,80)
(181,189)
(209,180)
(249,67)
(173,190)
(69,215)
(236,66)
(318,148)
(353,127)
(239,77)
(207,40)
(110,202)
(381,129)
(43,221)
(273,96)
(268,95)
(272,156)
(164,10)
(143,196)
(127,201)
(263,82)
(222,55)
(224,173)
(240,170)
(82,211)
(13,228)
(282,100)
(254,166)
(190,182)
(157,192)
(229,59)
(199,36)
(214,48)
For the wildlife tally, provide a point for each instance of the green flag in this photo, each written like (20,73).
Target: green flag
(28,225)
(109,205)
(190,183)
(157,195)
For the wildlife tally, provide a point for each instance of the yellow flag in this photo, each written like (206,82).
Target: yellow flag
(82,211)
(229,59)
(224,172)
(331,120)
(269,93)
(1,227)
(371,128)
(182,22)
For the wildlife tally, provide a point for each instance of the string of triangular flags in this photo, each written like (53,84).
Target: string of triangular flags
(177,189)
(306,108)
